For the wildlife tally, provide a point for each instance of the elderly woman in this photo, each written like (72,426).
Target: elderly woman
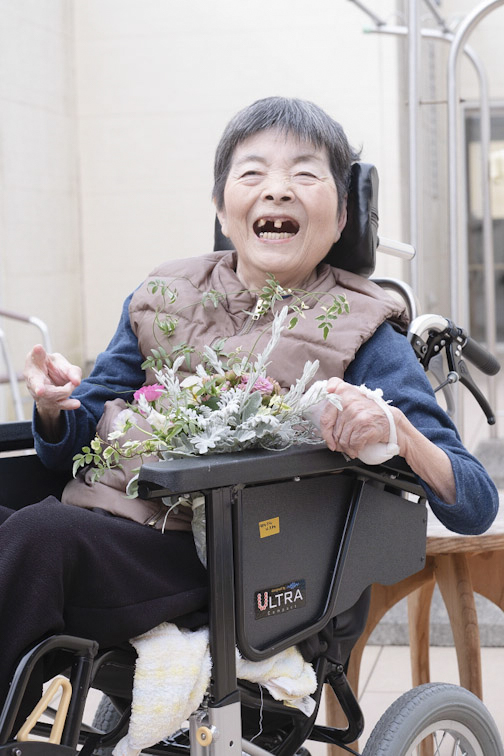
(282,171)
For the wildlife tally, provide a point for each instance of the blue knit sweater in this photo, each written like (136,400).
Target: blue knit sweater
(386,361)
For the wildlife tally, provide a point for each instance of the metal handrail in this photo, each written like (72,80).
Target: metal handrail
(11,376)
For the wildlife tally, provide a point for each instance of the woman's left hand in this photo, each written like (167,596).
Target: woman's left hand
(360,423)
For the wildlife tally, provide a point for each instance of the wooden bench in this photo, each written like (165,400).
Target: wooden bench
(461,566)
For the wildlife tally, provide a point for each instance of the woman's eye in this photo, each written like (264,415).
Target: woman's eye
(250,173)
(306,173)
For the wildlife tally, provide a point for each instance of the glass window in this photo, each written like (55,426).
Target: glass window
(475,224)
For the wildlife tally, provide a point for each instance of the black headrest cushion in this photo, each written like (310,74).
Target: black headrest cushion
(355,251)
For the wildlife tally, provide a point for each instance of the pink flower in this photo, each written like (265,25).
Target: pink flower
(264,385)
(151,393)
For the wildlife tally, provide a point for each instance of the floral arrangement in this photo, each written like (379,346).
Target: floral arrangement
(225,406)
(228,404)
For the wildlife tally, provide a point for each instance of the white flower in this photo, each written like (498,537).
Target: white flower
(158,421)
(122,418)
(191,381)
(119,424)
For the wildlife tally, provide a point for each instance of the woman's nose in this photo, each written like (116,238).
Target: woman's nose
(278,190)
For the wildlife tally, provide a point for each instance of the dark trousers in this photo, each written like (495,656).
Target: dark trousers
(69,570)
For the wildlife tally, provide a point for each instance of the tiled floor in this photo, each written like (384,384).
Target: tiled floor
(385,675)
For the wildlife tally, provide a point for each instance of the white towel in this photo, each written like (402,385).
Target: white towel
(372,454)
(287,677)
(172,673)
(377,454)
(171,676)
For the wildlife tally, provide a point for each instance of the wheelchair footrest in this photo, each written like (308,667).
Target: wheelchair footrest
(351,709)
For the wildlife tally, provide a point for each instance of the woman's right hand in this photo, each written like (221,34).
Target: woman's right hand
(51,379)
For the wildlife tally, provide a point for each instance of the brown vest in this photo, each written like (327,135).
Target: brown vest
(200,325)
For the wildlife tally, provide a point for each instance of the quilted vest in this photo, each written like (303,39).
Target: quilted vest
(200,322)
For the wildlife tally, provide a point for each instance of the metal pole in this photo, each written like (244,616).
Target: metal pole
(413,89)
(378,21)
(437,15)
(488,250)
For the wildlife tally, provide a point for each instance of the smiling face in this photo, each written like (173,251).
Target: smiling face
(280,208)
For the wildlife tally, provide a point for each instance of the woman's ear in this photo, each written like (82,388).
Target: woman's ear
(341,222)
(221,215)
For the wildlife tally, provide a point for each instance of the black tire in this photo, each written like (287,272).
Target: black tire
(448,712)
(106,717)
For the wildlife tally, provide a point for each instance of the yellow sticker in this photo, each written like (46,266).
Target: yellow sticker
(269,527)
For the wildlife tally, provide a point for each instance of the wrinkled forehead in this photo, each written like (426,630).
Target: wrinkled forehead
(268,142)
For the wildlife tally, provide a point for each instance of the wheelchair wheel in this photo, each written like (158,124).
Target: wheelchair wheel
(435,719)
(106,717)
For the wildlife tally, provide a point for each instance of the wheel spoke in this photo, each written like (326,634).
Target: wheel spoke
(438,745)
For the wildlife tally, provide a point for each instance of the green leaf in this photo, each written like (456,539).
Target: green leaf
(252,404)
(77,464)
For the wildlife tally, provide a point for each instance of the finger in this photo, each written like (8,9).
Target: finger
(328,422)
(35,361)
(69,404)
(366,426)
(41,367)
(60,370)
(54,399)
(334,385)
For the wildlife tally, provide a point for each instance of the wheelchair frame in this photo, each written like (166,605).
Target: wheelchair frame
(374,519)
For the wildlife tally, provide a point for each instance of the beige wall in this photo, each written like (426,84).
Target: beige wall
(39,228)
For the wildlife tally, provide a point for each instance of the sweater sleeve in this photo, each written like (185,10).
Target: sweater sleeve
(387,361)
(116,374)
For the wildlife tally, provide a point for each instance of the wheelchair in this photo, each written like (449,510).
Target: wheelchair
(303,517)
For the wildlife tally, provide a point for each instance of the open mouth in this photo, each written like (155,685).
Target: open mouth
(275,228)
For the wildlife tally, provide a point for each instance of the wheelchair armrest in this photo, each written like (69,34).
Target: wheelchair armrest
(16,435)
(24,478)
(203,473)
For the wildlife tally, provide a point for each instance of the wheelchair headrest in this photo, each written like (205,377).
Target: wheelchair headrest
(355,251)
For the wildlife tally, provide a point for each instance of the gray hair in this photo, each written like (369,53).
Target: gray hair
(289,116)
